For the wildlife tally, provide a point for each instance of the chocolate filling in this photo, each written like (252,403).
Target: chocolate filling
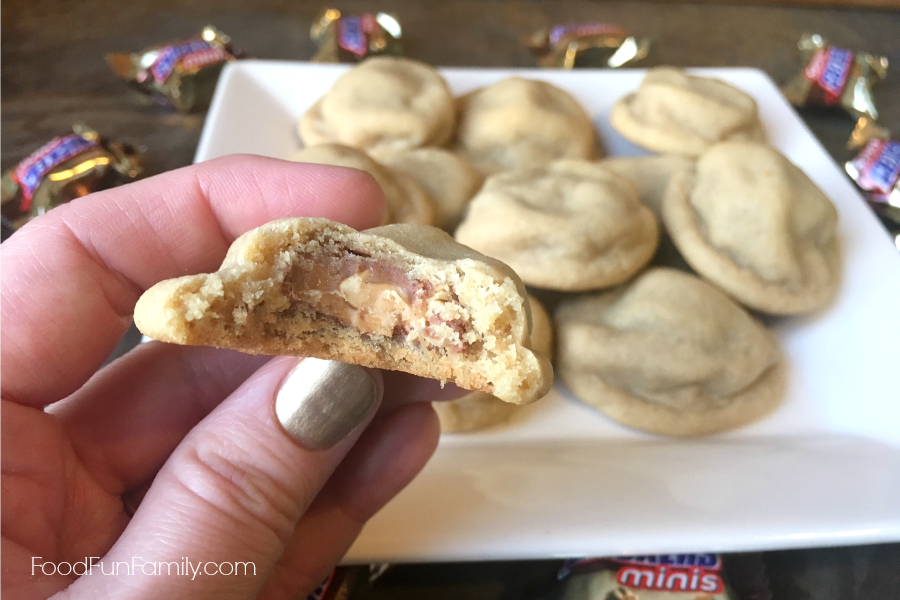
(375,298)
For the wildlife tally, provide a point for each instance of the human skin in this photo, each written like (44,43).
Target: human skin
(172,451)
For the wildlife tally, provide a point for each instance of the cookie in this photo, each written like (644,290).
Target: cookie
(570,226)
(407,201)
(448,177)
(384,103)
(518,123)
(669,354)
(673,112)
(754,224)
(478,410)
(651,176)
(399,297)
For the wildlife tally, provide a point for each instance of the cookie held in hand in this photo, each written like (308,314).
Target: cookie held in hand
(670,354)
(399,297)
(478,410)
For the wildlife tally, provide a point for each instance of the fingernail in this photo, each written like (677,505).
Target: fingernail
(321,401)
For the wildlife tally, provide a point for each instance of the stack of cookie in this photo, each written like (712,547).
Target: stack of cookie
(515,170)
(676,351)
(392,118)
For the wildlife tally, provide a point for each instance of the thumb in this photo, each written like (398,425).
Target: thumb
(221,510)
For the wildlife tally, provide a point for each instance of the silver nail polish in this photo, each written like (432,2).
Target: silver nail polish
(321,401)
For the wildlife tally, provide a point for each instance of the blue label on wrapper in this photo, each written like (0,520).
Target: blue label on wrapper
(30,172)
(886,170)
(679,560)
(582,29)
(877,167)
(829,69)
(836,70)
(169,56)
(352,35)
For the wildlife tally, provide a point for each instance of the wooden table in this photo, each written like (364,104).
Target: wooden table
(54,73)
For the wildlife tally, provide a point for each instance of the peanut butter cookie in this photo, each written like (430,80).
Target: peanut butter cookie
(673,112)
(399,297)
(670,354)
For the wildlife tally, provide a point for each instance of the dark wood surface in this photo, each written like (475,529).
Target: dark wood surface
(53,74)
(53,68)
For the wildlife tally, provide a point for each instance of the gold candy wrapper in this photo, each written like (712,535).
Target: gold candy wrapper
(572,45)
(66,168)
(662,577)
(351,38)
(836,77)
(866,130)
(180,74)
(876,171)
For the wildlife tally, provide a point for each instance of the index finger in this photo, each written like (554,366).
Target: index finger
(71,278)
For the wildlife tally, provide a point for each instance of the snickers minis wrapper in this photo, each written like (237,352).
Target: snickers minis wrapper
(351,38)
(179,74)
(663,577)
(571,45)
(876,171)
(835,76)
(65,168)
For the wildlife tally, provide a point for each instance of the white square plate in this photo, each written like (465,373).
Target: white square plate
(562,480)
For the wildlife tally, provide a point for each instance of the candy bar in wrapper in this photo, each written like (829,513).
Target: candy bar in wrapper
(64,169)
(662,577)
(876,170)
(351,38)
(836,77)
(573,45)
(180,74)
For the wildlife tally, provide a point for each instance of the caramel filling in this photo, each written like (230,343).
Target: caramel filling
(380,300)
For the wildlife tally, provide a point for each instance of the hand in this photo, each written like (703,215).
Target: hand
(186,436)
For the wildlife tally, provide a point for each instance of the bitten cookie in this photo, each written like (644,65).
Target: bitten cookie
(571,225)
(673,112)
(448,177)
(406,200)
(754,224)
(384,103)
(399,297)
(518,123)
(670,354)
(478,410)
